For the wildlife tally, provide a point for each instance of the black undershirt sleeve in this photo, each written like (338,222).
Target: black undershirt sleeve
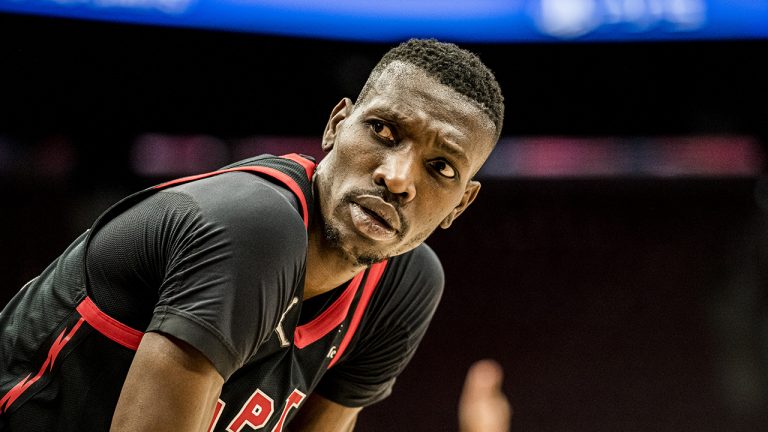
(393,325)
(212,262)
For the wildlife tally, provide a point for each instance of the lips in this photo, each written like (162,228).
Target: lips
(381,209)
(374,218)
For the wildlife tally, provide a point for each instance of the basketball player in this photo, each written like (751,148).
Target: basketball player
(269,292)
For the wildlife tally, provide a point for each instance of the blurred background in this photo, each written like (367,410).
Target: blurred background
(614,263)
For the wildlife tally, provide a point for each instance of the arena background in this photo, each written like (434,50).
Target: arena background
(624,291)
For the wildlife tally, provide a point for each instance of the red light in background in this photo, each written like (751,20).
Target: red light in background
(710,156)
(167,155)
(277,145)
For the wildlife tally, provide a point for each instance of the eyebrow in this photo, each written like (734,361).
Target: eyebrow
(391,114)
(454,150)
(447,146)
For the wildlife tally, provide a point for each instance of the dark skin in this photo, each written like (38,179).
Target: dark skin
(399,165)
(413,141)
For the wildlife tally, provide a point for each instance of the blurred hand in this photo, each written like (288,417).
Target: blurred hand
(482,406)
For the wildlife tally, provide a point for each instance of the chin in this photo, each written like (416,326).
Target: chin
(336,239)
(363,256)
(368,260)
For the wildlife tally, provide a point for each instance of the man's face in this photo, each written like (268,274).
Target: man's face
(399,164)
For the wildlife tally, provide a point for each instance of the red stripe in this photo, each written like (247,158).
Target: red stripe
(285,178)
(108,326)
(374,275)
(27,382)
(312,331)
(308,165)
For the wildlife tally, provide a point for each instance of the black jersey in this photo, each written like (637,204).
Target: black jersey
(217,261)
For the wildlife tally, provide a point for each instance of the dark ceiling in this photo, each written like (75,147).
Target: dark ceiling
(62,76)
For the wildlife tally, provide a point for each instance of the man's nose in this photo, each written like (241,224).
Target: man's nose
(397,173)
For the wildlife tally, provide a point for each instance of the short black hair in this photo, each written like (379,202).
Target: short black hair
(449,65)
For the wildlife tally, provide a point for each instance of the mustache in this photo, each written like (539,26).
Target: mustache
(384,194)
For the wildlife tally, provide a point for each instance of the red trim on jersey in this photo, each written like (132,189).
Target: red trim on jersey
(312,331)
(292,401)
(279,175)
(308,165)
(374,275)
(108,326)
(292,185)
(27,382)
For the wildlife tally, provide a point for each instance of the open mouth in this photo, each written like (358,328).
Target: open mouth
(376,217)
(370,224)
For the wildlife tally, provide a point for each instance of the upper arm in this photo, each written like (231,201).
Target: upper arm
(231,277)
(319,414)
(212,263)
(170,386)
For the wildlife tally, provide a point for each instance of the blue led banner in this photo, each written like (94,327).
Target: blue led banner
(457,20)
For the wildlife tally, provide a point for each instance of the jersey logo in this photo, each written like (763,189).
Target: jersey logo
(331,352)
(284,342)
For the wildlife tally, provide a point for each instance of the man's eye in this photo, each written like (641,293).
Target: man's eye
(382,130)
(443,168)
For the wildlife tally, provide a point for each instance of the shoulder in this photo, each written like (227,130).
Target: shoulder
(422,259)
(247,206)
(395,321)
(412,284)
(419,266)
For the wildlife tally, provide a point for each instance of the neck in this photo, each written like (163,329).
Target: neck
(327,267)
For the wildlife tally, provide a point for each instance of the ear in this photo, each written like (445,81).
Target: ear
(339,113)
(470,193)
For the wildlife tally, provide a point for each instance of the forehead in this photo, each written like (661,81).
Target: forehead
(410,92)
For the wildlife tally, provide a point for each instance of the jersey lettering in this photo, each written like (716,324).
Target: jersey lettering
(257,411)
(293,401)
